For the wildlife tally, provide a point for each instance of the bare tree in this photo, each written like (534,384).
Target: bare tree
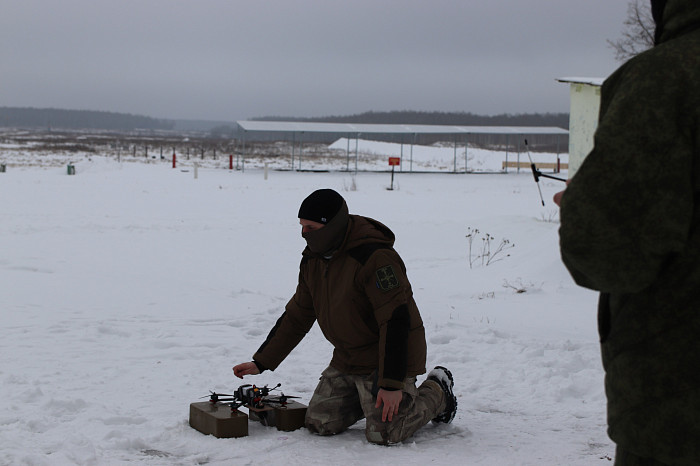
(638,31)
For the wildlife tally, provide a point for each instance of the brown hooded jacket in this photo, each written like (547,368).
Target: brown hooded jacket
(362,300)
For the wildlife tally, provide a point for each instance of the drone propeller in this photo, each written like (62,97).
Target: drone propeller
(268,390)
(214,397)
(282,399)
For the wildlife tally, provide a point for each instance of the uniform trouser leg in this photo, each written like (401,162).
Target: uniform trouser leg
(626,458)
(340,400)
(335,404)
(418,406)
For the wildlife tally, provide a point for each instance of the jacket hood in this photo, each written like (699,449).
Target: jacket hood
(675,18)
(363,230)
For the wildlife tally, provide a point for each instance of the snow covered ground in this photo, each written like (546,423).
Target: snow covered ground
(130,290)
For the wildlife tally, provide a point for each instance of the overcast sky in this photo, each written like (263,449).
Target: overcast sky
(231,59)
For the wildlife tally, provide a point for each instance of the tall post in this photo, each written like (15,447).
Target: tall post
(243,153)
(507,148)
(454,170)
(301,147)
(410,166)
(357,145)
(466,149)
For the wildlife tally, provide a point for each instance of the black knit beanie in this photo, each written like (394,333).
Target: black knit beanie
(321,206)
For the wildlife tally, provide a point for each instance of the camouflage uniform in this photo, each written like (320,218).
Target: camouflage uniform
(340,400)
(630,228)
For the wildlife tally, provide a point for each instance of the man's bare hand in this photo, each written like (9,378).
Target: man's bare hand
(246,368)
(559,195)
(391,400)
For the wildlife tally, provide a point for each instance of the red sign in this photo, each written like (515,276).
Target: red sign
(394,161)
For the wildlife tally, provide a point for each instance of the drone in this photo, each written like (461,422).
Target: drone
(250,396)
(214,416)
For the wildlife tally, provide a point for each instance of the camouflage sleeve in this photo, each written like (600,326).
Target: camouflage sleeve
(290,329)
(628,209)
(387,286)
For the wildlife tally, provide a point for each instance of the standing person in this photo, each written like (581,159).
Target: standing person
(354,283)
(630,228)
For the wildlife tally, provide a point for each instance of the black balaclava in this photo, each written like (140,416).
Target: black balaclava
(657,12)
(329,208)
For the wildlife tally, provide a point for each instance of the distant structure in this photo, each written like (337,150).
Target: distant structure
(299,131)
(583,118)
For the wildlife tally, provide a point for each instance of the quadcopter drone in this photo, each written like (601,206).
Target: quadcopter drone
(250,396)
(213,416)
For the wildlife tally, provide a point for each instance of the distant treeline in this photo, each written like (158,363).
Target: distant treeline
(406,117)
(52,118)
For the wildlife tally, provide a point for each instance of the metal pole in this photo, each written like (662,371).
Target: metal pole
(507,147)
(558,141)
(466,149)
(294,144)
(410,167)
(454,170)
(347,155)
(301,147)
(357,143)
(245,148)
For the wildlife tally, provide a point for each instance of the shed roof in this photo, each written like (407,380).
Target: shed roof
(591,81)
(360,128)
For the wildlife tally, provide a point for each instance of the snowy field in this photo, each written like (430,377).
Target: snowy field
(130,290)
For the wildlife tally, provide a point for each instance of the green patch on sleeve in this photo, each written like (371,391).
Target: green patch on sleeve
(387,279)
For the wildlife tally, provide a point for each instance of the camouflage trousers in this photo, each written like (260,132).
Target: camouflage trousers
(626,458)
(340,400)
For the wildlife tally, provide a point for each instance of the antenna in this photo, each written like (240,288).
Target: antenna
(538,174)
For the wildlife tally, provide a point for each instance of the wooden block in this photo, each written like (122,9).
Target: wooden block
(286,418)
(218,419)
